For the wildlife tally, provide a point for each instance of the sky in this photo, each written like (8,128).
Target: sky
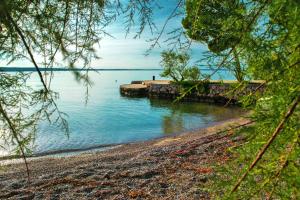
(127,52)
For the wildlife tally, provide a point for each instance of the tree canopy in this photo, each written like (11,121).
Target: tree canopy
(219,25)
(265,34)
(176,67)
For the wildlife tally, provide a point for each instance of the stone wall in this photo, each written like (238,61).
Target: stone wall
(157,90)
(212,92)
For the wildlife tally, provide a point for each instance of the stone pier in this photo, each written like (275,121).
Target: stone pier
(212,92)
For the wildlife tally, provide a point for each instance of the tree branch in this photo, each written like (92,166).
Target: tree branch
(165,25)
(28,50)
(269,142)
(15,135)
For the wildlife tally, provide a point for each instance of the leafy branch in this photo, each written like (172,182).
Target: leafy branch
(269,142)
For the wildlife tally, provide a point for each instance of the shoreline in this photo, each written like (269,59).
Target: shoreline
(60,153)
(4,160)
(165,168)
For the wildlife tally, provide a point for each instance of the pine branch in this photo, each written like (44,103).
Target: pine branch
(267,145)
(28,50)
(15,135)
(283,165)
(173,13)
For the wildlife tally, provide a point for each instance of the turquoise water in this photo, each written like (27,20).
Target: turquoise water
(109,118)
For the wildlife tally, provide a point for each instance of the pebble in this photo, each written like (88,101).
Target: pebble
(150,170)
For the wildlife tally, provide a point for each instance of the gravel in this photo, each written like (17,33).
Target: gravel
(175,167)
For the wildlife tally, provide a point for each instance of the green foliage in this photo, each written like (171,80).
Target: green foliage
(218,24)
(268,41)
(176,67)
(51,28)
(201,87)
(192,73)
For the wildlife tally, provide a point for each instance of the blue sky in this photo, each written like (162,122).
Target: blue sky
(126,52)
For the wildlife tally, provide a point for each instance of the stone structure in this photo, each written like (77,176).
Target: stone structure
(212,92)
(134,90)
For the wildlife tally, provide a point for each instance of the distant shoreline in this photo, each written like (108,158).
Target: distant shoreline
(29,69)
(32,69)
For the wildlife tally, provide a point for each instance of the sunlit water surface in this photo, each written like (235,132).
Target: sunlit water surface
(109,118)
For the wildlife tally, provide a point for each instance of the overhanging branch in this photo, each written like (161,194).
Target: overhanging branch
(269,142)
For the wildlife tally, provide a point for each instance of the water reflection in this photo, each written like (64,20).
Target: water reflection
(183,116)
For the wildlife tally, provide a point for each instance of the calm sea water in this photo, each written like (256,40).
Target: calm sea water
(109,118)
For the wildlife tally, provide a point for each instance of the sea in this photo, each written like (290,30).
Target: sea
(108,118)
